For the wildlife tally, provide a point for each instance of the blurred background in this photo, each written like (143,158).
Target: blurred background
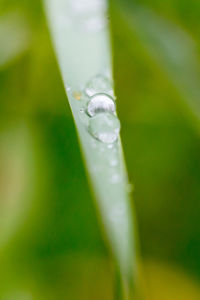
(51,246)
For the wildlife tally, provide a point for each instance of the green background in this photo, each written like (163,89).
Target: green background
(51,246)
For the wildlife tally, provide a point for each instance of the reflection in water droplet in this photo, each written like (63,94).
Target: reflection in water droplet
(100,103)
(105,127)
(98,84)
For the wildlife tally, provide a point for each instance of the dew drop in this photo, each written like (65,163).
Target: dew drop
(115,178)
(105,127)
(100,103)
(68,89)
(113,162)
(110,146)
(98,84)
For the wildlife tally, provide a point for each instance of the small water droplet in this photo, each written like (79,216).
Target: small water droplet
(110,146)
(116,178)
(82,110)
(100,103)
(105,127)
(68,89)
(113,162)
(98,84)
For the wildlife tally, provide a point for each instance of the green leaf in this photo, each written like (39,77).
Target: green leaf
(81,38)
(171,48)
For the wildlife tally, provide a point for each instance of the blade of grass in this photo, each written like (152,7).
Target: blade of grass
(81,39)
(172,48)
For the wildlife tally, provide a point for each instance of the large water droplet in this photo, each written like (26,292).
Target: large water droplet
(105,127)
(98,84)
(100,103)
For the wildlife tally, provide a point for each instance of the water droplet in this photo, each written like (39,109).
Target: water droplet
(68,89)
(105,127)
(98,84)
(110,146)
(100,103)
(116,178)
(113,162)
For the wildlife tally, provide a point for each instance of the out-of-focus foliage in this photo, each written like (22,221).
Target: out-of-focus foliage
(50,245)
